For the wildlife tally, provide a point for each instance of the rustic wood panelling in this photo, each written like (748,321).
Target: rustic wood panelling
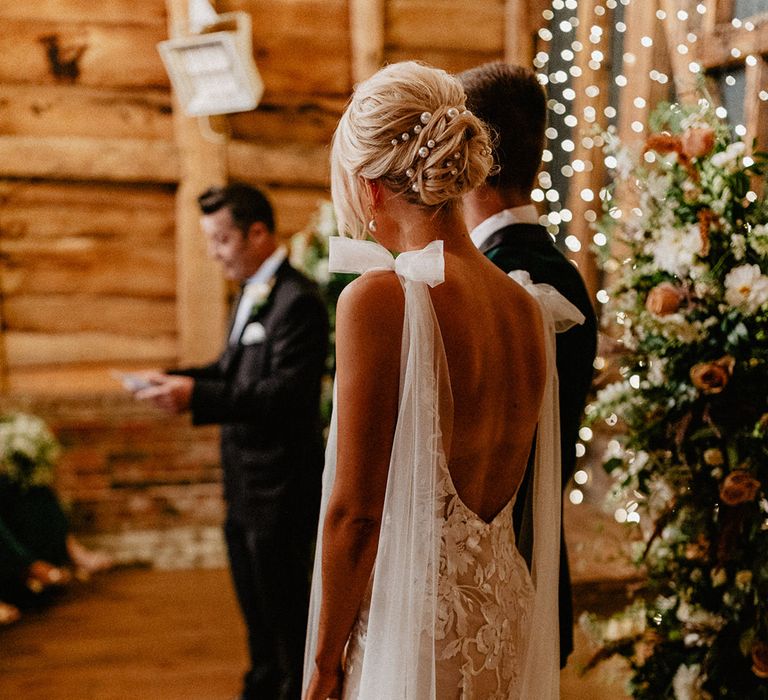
(98,55)
(71,110)
(89,158)
(446,25)
(126,12)
(285,163)
(449,60)
(294,207)
(36,312)
(301,46)
(87,274)
(24,348)
(73,379)
(303,118)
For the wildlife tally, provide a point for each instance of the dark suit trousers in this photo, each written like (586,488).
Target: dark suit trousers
(269,560)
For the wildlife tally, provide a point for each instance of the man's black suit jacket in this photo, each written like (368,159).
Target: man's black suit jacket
(529,247)
(266,396)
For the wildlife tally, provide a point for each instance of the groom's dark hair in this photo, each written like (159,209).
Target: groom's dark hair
(246,204)
(513,105)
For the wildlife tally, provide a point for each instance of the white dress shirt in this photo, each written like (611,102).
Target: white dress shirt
(262,276)
(525,214)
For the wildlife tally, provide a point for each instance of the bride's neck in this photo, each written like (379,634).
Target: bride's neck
(417,228)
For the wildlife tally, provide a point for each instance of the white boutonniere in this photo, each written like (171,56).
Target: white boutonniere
(257,295)
(253,333)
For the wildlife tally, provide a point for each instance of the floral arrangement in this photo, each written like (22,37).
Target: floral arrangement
(28,450)
(309,253)
(687,232)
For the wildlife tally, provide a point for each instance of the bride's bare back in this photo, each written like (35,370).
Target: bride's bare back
(494,344)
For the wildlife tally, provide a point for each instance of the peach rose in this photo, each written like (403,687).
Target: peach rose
(738,487)
(712,377)
(663,143)
(760,659)
(698,141)
(663,299)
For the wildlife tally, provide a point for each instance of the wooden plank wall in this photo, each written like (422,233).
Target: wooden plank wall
(88,164)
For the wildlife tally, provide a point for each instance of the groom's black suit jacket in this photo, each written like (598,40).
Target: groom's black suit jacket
(529,247)
(266,397)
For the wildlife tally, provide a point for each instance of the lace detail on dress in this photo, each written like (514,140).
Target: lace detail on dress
(484,598)
(484,601)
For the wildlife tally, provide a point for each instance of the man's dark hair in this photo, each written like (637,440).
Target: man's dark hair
(513,104)
(246,204)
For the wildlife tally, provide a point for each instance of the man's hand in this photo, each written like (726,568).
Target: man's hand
(170,392)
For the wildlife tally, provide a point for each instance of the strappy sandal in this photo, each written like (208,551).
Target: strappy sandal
(41,576)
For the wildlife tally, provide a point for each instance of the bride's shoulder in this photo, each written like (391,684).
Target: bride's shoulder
(373,302)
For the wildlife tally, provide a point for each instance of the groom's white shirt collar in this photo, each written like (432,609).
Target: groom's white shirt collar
(268,268)
(525,214)
(263,275)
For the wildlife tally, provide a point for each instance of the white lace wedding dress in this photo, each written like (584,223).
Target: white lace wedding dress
(451,611)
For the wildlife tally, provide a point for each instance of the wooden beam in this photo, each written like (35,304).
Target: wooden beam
(518,33)
(641,94)
(26,349)
(53,314)
(84,158)
(124,160)
(755,108)
(74,110)
(676,32)
(728,46)
(366,29)
(718,12)
(201,308)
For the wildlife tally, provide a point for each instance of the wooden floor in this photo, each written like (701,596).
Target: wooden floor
(146,634)
(131,633)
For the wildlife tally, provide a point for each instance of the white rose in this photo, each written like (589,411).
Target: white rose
(685,682)
(746,288)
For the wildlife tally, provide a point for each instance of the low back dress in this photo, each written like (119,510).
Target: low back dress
(451,610)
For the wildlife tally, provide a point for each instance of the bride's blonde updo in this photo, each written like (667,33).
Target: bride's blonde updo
(407,126)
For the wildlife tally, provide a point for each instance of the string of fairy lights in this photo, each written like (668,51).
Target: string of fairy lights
(575,120)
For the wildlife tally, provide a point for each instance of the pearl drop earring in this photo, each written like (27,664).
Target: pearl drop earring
(372,226)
